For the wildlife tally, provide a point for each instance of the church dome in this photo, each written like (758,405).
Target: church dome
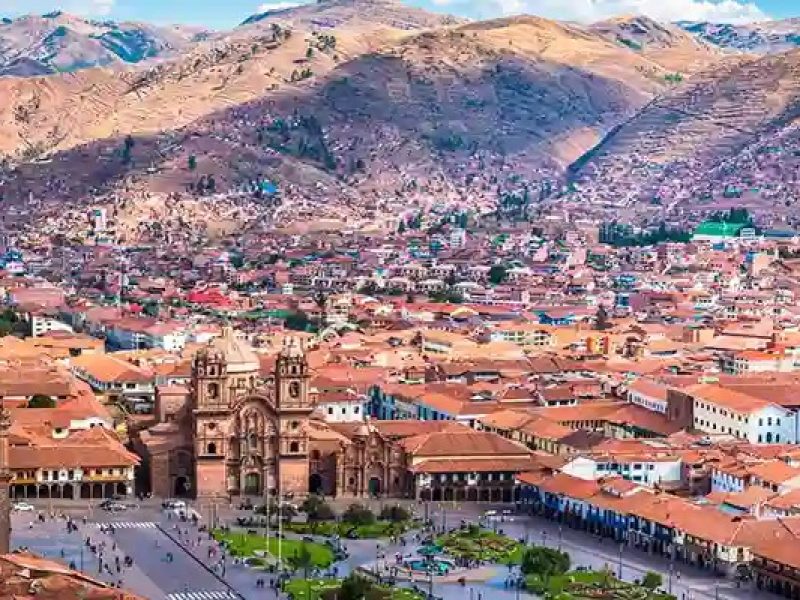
(238,355)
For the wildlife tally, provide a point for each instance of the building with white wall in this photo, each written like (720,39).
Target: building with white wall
(723,411)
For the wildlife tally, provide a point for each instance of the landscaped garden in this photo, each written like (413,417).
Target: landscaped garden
(357,522)
(298,553)
(474,543)
(547,574)
(351,588)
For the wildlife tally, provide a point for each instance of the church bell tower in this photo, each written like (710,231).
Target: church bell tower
(210,392)
(294,408)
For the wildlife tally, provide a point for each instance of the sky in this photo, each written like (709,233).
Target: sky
(221,15)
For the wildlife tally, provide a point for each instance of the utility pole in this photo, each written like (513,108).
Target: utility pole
(619,575)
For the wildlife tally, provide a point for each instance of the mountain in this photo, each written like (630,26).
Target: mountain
(58,42)
(326,14)
(762,38)
(731,127)
(347,118)
(666,44)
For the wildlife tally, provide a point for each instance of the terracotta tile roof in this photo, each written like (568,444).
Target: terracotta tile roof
(640,417)
(774,471)
(403,429)
(463,443)
(472,465)
(590,411)
(572,487)
(735,401)
(750,497)
(20,572)
(787,501)
(108,368)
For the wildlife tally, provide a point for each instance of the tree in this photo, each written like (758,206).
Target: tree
(296,321)
(354,587)
(652,580)
(601,321)
(544,562)
(192,162)
(151,309)
(317,509)
(396,514)
(41,401)
(498,274)
(301,560)
(358,514)
(128,145)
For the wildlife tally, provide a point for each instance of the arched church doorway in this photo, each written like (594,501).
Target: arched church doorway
(315,484)
(252,484)
(181,487)
(374,486)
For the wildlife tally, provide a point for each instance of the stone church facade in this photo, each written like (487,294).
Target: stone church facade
(234,432)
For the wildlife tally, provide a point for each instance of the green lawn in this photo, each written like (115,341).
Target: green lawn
(588,585)
(313,589)
(378,529)
(474,543)
(244,545)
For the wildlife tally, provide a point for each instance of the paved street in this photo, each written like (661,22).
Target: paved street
(146,535)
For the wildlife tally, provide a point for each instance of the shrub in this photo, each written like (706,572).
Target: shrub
(652,580)
(396,514)
(545,562)
(317,509)
(357,514)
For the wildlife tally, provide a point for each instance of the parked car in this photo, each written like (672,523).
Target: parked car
(24,507)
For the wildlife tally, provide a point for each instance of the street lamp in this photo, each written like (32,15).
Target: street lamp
(560,535)
(621,546)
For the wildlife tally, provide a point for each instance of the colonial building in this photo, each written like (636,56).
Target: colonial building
(233,432)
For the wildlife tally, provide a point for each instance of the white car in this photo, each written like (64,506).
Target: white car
(24,507)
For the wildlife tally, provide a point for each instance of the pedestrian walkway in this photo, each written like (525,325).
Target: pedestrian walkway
(207,595)
(127,525)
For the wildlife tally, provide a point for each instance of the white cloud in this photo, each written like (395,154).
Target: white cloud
(726,11)
(267,6)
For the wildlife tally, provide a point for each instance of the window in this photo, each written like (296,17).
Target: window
(356,410)
(294,447)
(761,422)
(211,448)
(777,438)
(778,422)
(769,437)
(769,421)
(70,474)
(330,410)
